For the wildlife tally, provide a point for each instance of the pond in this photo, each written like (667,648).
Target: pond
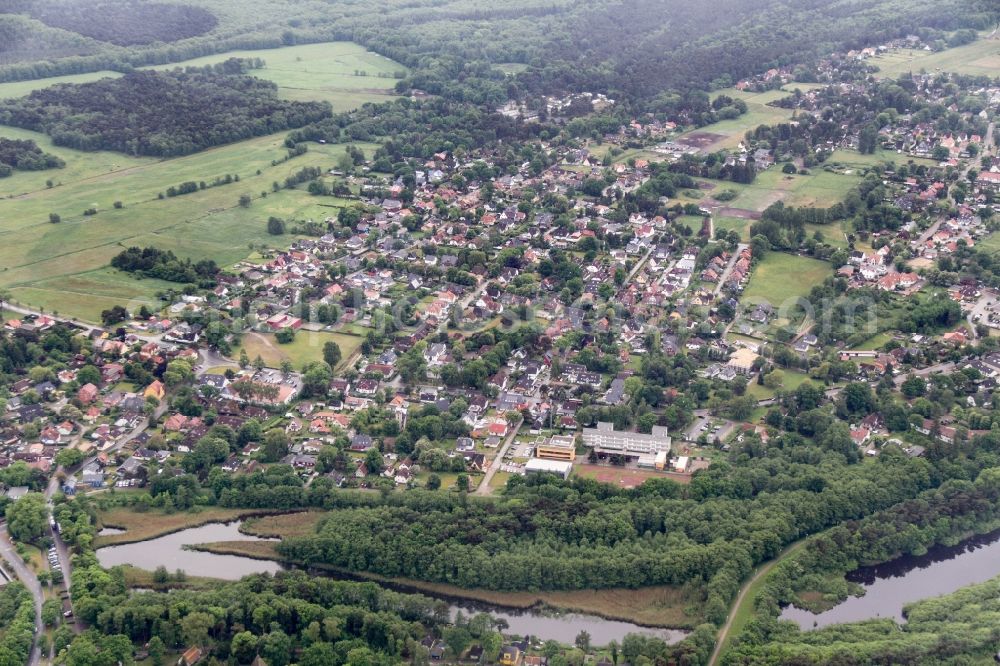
(169,552)
(891,585)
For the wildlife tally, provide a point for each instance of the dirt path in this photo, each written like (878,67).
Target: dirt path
(741,598)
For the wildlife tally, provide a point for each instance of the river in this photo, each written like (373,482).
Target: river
(891,585)
(169,551)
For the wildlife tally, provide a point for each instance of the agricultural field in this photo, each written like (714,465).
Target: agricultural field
(51,266)
(780,277)
(44,262)
(307,347)
(981,57)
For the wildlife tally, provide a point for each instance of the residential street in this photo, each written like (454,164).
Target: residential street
(729,268)
(484,485)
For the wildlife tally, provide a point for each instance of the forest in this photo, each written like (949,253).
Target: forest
(125,23)
(639,51)
(579,534)
(25,155)
(162,114)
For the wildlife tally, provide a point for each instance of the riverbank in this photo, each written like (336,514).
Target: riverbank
(146,525)
(654,607)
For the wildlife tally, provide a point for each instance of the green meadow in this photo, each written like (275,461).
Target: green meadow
(64,267)
(981,57)
(343,73)
(43,262)
(781,276)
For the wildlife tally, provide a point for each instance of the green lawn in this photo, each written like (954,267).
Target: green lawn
(791,380)
(307,347)
(781,277)
(875,342)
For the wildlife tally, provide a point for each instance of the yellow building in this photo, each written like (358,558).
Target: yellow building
(558,447)
(155,390)
(511,656)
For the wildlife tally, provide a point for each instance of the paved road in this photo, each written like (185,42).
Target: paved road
(484,485)
(729,268)
(26,576)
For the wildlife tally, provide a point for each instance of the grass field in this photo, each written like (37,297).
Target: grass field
(790,381)
(343,73)
(733,224)
(857,160)
(45,264)
(820,189)
(307,347)
(981,57)
(991,243)
(758,113)
(781,277)
(53,266)
(22,88)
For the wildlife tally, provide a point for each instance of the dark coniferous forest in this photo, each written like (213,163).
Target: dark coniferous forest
(161,114)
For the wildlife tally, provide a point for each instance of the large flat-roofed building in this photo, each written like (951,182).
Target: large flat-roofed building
(539,466)
(558,447)
(605,439)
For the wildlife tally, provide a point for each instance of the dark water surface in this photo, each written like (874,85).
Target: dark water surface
(891,585)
